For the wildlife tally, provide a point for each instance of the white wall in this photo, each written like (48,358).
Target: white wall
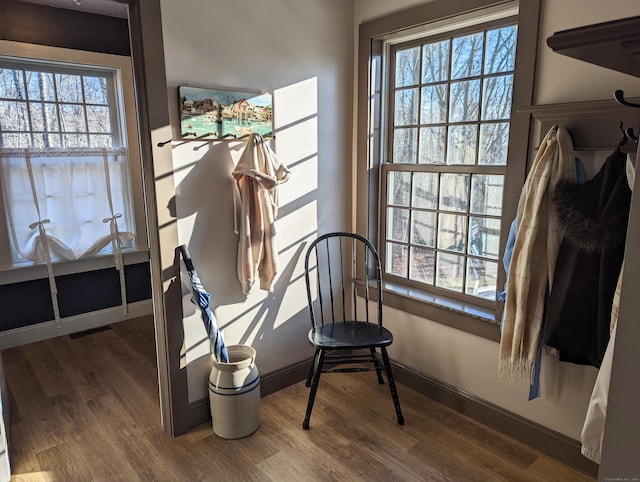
(469,362)
(563,79)
(370,9)
(302,53)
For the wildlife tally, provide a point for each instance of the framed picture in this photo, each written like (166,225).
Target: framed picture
(224,114)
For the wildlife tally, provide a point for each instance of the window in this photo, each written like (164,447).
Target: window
(64,161)
(442,151)
(52,105)
(69,164)
(448,130)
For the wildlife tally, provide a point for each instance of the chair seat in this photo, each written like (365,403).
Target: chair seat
(350,335)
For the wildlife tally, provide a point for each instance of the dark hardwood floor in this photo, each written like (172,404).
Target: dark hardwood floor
(86,408)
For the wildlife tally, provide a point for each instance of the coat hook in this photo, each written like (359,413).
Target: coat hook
(619,96)
(624,137)
(184,134)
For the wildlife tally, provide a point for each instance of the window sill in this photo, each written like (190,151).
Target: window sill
(28,271)
(460,315)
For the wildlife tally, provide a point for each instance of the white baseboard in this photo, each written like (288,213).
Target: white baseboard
(73,324)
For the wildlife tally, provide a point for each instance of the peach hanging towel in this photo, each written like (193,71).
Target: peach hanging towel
(256,176)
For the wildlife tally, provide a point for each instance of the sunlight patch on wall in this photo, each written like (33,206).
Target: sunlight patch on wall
(296,125)
(294,297)
(295,102)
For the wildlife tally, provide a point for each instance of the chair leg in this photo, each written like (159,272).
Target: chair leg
(376,363)
(319,360)
(392,385)
(311,368)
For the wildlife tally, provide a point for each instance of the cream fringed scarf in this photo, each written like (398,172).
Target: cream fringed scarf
(534,255)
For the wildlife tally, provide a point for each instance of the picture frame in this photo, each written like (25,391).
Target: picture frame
(207,113)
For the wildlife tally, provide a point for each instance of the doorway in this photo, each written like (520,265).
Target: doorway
(144,38)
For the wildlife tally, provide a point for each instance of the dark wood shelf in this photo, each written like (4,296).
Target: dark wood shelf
(614,45)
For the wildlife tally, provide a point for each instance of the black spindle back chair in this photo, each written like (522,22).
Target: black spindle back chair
(341,271)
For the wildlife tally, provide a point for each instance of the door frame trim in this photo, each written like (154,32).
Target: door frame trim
(147,50)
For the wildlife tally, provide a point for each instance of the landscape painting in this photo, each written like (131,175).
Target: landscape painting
(224,114)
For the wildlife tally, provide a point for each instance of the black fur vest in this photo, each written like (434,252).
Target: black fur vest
(593,218)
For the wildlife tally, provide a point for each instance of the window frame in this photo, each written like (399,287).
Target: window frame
(54,67)
(416,167)
(126,123)
(371,147)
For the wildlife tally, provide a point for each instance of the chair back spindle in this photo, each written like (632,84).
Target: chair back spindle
(344,273)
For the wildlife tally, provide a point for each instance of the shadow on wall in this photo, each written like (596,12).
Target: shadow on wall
(206,196)
(204,204)
(262,328)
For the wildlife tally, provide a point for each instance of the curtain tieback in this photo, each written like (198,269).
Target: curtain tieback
(39,224)
(52,279)
(117,255)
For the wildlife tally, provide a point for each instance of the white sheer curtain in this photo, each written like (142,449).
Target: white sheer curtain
(67,204)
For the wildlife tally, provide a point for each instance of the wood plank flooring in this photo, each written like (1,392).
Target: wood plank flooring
(87,409)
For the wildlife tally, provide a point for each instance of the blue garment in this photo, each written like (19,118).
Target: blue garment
(508,254)
(581,177)
(534,389)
